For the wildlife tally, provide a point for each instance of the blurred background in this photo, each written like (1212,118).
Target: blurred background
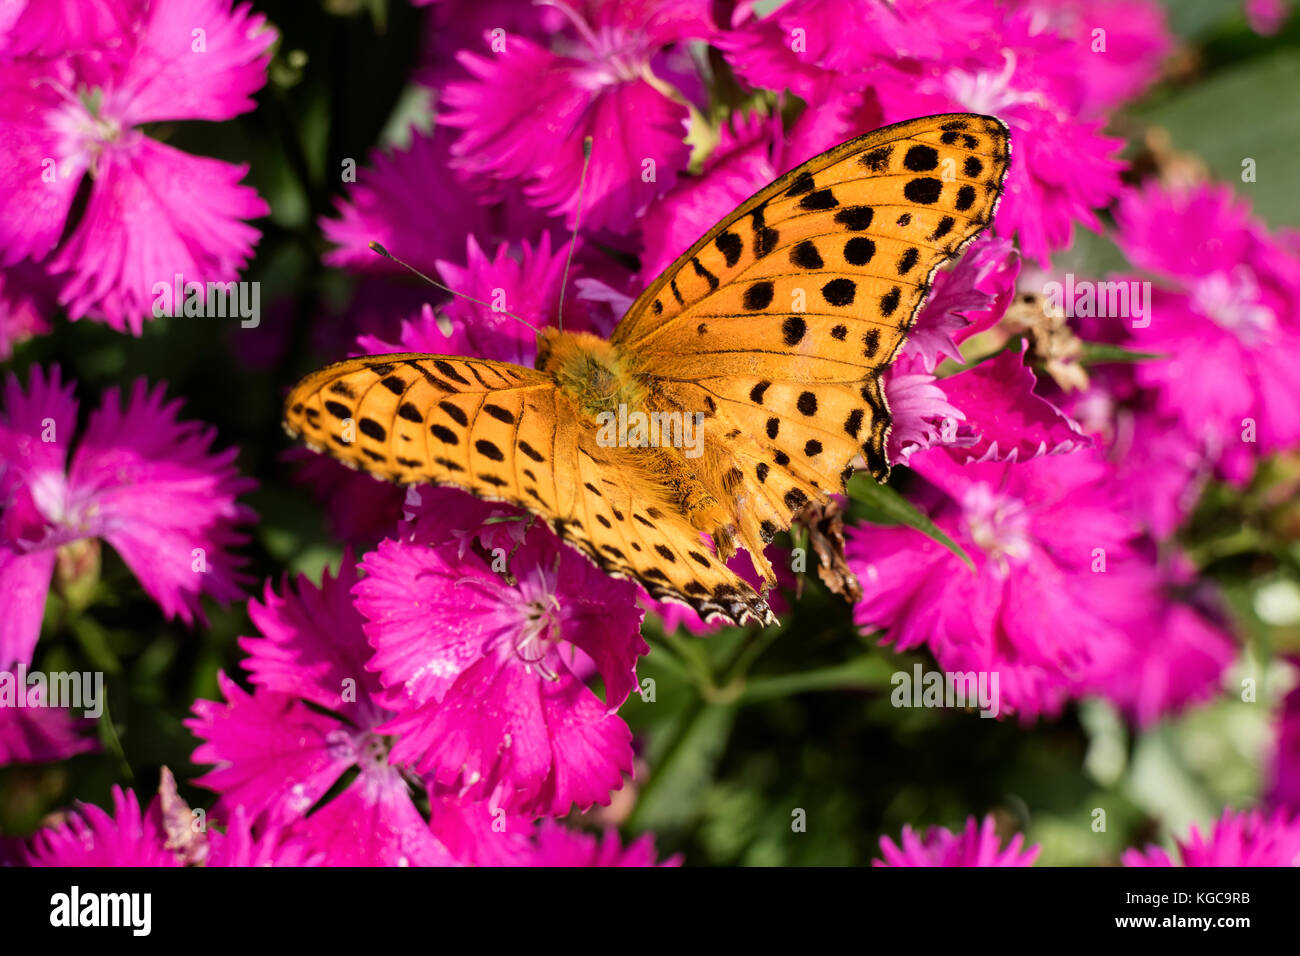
(746,728)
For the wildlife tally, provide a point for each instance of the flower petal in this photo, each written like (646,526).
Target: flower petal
(155,213)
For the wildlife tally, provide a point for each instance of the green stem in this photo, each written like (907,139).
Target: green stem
(694,660)
(868,672)
(113,743)
(1242,541)
(662,763)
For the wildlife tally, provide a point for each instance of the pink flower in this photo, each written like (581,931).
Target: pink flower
(525,112)
(972,847)
(59,27)
(1266,16)
(240,845)
(481,670)
(922,417)
(140,479)
(985,413)
(1246,838)
(90,836)
(313,717)
(380,207)
(1229,302)
(402,192)
(1284,772)
(25,306)
(1118,45)
(558,845)
(1176,651)
(479,835)
(964,300)
(989,412)
(34,733)
(478,25)
(1003,418)
(524,281)
(1164,466)
(812,46)
(153,211)
(1032,530)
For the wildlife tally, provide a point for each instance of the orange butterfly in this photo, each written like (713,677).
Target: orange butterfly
(739,387)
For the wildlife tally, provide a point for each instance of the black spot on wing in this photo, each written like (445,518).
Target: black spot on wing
(921,159)
(839,292)
(924,190)
(758,296)
(794,328)
(730,245)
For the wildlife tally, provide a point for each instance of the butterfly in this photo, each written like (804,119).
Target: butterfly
(758,352)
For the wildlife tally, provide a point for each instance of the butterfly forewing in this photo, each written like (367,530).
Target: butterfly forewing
(488,427)
(848,240)
(781,318)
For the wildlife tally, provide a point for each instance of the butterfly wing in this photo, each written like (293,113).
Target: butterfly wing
(777,322)
(780,319)
(491,428)
(506,433)
(625,523)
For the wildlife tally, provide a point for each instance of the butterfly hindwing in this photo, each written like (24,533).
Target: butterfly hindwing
(624,523)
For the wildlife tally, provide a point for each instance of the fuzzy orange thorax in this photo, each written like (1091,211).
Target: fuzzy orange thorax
(589,370)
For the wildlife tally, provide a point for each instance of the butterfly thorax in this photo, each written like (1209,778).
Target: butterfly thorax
(590,371)
(603,383)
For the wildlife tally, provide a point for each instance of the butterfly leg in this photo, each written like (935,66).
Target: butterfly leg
(528,526)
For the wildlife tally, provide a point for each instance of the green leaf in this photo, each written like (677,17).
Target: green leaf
(1244,112)
(1097,353)
(887,507)
(684,762)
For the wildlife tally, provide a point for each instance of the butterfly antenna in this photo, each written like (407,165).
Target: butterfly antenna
(377,248)
(577,216)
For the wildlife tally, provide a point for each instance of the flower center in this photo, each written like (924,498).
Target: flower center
(366,750)
(998,524)
(988,92)
(1231,301)
(611,55)
(85,132)
(540,631)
